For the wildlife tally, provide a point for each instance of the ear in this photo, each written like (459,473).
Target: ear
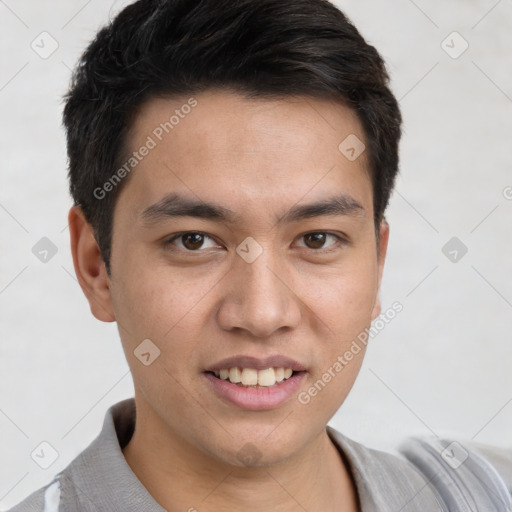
(382,247)
(89,266)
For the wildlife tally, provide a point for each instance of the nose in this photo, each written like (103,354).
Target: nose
(258,299)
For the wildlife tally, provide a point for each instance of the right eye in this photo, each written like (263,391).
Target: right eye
(190,241)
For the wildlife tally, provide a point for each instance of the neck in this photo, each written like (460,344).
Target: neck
(181,477)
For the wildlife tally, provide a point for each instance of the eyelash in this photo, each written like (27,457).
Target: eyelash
(340,240)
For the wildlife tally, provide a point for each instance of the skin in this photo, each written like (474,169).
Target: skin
(259,158)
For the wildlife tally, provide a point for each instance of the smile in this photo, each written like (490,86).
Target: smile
(250,377)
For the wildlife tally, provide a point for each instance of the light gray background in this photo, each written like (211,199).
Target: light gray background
(442,366)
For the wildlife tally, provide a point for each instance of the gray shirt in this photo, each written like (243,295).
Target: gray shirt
(427,475)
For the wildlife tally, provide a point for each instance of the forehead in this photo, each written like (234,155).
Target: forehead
(248,152)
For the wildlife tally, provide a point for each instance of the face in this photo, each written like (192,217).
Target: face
(243,239)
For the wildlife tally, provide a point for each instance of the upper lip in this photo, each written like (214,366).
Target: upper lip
(276,361)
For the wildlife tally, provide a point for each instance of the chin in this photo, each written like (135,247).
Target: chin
(251,451)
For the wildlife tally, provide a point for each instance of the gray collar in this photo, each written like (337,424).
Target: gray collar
(384,482)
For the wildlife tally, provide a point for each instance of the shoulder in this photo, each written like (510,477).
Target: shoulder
(45,499)
(87,483)
(464,472)
(499,458)
(430,474)
(63,491)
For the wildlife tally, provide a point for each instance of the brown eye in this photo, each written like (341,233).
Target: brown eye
(192,241)
(321,241)
(315,240)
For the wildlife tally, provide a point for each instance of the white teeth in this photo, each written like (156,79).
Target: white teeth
(252,377)
(249,377)
(235,375)
(266,377)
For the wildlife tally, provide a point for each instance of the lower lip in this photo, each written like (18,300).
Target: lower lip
(256,399)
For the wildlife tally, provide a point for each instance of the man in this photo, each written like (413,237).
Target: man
(231,163)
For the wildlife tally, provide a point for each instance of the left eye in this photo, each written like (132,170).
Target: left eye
(317,239)
(192,241)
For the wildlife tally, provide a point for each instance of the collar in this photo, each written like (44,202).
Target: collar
(383,482)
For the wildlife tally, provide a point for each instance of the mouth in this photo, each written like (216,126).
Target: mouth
(255,384)
(252,378)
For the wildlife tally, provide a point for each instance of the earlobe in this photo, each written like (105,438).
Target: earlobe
(381,258)
(89,266)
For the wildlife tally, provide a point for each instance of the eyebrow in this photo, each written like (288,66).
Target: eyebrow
(175,206)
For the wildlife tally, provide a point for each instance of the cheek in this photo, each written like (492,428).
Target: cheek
(344,299)
(159,306)
(146,308)
(166,304)
(159,303)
